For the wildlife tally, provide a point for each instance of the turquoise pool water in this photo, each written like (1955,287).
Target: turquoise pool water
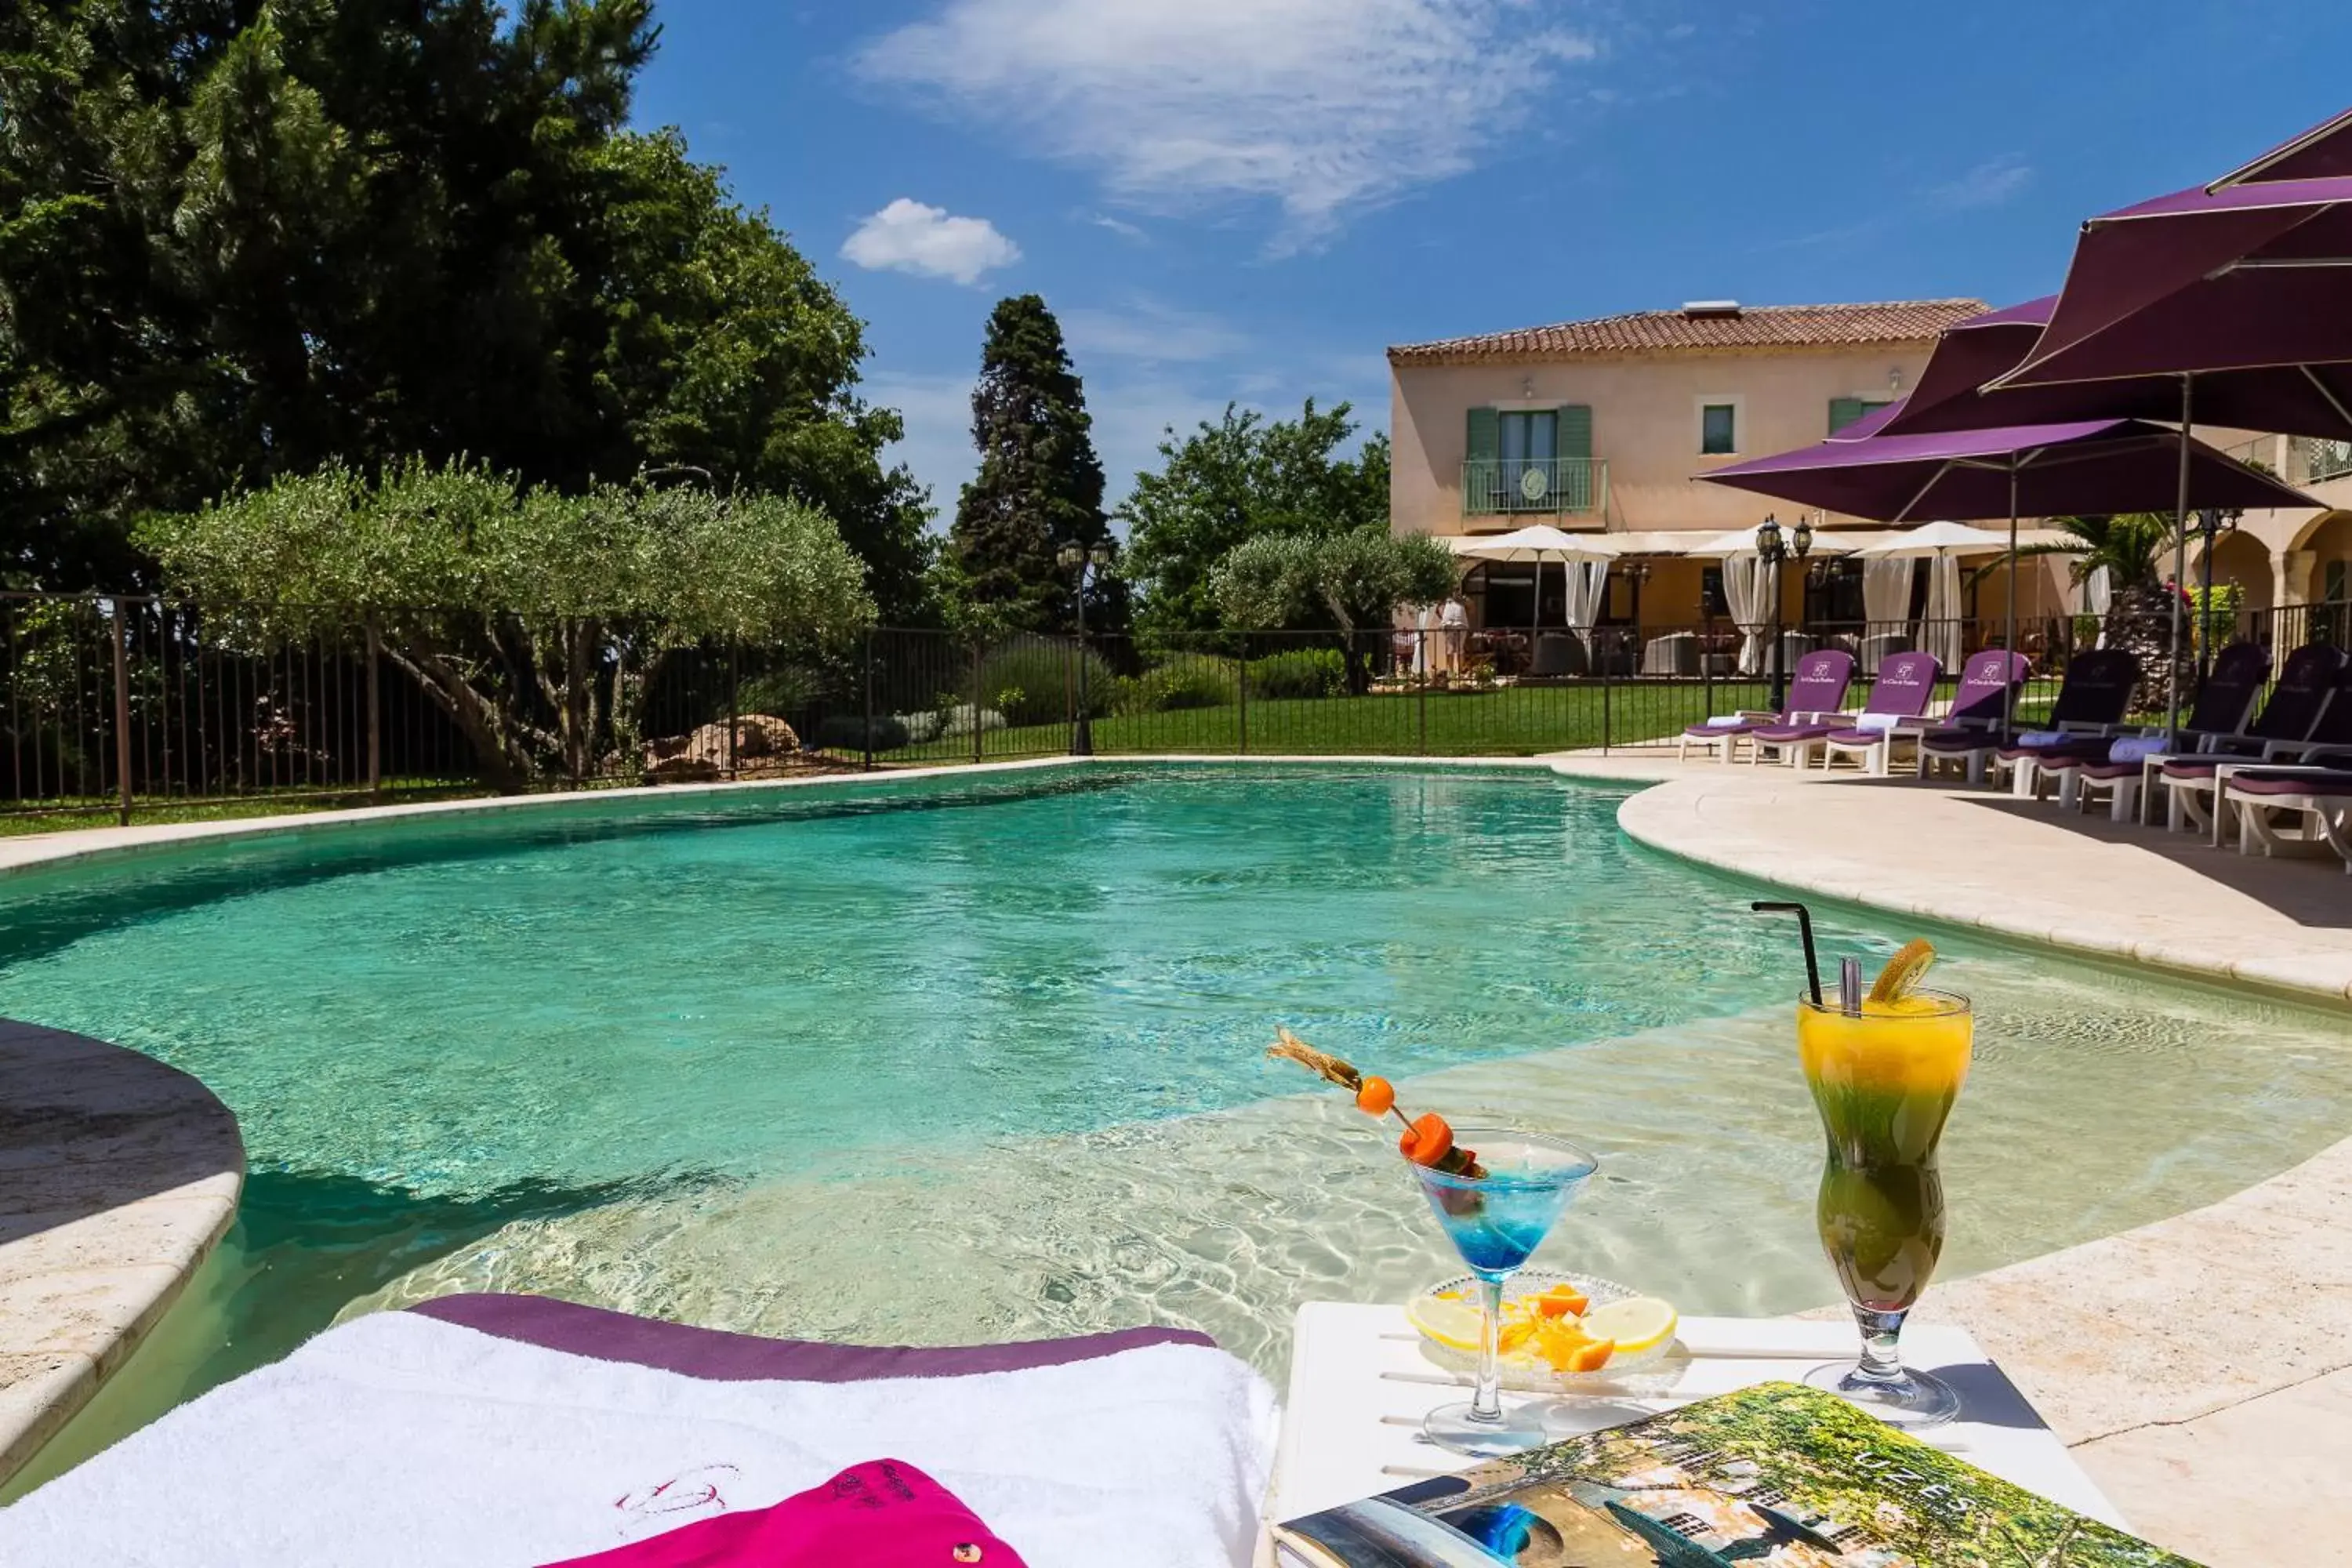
(956,1059)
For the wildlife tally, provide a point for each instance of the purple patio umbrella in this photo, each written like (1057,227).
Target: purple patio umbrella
(2084,465)
(1953,394)
(2253,280)
(2322,152)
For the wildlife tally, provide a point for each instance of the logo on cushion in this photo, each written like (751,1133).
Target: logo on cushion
(690,1492)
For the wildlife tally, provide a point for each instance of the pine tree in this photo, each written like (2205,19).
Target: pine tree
(1039,487)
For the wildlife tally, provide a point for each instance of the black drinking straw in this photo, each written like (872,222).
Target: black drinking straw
(1804,930)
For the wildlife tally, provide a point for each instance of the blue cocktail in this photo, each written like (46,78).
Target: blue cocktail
(1496,1220)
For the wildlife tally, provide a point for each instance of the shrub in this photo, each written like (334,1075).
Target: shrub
(1189,682)
(959,721)
(1033,682)
(784,692)
(846,732)
(1300,672)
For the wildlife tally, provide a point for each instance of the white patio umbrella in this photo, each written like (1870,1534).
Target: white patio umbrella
(1539,542)
(1942,545)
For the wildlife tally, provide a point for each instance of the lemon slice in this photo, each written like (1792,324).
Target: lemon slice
(1903,971)
(1637,1323)
(1452,1321)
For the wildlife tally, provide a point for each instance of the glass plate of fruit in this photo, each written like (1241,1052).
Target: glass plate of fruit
(1557,1327)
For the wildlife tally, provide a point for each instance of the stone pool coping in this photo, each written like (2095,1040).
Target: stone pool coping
(2145,1414)
(119,1174)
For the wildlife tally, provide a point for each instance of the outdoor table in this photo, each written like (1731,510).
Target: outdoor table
(1360,1383)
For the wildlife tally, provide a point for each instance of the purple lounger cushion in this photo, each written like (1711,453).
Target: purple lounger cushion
(1790,734)
(2259,781)
(2088,748)
(1960,739)
(716,1354)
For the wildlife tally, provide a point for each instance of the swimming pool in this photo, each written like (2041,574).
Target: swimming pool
(946,1060)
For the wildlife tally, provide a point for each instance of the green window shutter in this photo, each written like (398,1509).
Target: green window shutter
(1844,410)
(1575,432)
(1486,438)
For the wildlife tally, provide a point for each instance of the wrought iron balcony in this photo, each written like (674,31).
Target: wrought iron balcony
(1547,487)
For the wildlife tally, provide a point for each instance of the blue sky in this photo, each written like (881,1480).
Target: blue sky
(1251,199)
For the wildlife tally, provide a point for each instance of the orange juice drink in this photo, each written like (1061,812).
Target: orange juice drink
(1884,1083)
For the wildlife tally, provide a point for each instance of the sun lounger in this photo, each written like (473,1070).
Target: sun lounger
(1817,692)
(2304,810)
(2224,704)
(1905,683)
(1986,680)
(2090,704)
(490,1431)
(2309,709)
(1988,685)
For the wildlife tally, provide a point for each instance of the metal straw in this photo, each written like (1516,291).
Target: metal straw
(1849,987)
(1805,931)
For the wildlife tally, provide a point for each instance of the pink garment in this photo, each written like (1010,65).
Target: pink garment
(883,1513)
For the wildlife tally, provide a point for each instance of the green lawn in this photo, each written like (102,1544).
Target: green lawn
(1517,720)
(69,815)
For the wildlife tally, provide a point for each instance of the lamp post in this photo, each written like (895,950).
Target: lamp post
(1771,549)
(1075,559)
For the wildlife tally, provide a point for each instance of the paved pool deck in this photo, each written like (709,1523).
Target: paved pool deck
(2201,1366)
(117,1175)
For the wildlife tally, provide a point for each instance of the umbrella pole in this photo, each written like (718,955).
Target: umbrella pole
(2180,570)
(2009,640)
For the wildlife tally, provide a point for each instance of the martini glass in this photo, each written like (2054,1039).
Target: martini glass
(1494,1222)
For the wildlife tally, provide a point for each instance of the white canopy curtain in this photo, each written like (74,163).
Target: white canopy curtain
(1588,588)
(1886,596)
(1750,588)
(1941,545)
(1941,633)
(2098,595)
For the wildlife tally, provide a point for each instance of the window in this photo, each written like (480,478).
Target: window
(2336,581)
(1528,438)
(1844,410)
(1710,592)
(1718,432)
(1528,461)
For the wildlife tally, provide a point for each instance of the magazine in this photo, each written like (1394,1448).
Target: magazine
(1775,1476)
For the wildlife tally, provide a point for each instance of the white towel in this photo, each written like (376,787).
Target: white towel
(398,1439)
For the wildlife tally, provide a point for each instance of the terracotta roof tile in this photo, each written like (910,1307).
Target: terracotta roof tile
(1754,327)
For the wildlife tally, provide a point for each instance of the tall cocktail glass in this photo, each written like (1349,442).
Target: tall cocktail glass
(1884,1082)
(1494,1222)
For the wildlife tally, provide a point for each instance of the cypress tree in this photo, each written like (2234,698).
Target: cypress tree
(1039,487)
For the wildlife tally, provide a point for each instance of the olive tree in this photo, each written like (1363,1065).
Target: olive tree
(1343,582)
(531,618)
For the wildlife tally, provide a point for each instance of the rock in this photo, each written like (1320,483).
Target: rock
(761,739)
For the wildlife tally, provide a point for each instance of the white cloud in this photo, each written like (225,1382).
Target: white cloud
(1322,106)
(1989,185)
(1152,332)
(907,236)
(1120,227)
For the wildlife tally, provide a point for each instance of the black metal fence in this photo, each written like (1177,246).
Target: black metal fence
(112,704)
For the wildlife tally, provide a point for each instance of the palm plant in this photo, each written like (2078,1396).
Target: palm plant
(2130,546)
